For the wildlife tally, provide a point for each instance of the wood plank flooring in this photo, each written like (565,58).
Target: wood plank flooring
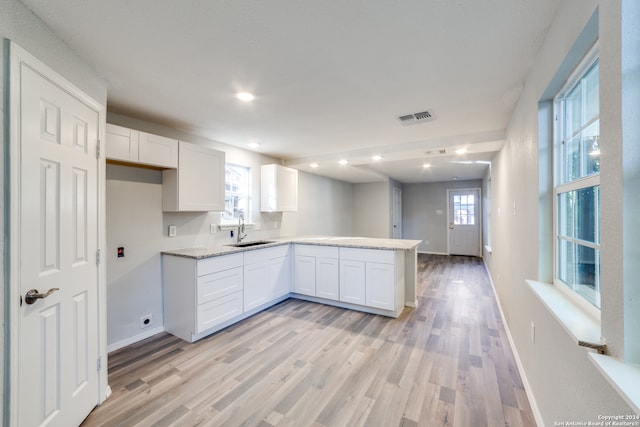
(446,363)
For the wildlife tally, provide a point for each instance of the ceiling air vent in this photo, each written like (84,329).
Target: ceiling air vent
(415,118)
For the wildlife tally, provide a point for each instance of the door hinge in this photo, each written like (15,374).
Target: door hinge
(98,257)
(99,364)
(98,149)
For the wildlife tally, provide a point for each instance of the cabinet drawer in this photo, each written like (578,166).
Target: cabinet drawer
(261,255)
(317,251)
(219,310)
(368,255)
(219,263)
(216,285)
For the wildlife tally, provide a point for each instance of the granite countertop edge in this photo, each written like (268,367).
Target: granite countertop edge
(345,242)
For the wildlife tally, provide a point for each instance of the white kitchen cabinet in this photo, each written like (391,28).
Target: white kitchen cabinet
(121,143)
(327,278)
(279,277)
(373,278)
(279,189)
(256,287)
(198,183)
(304,281)
(352,281)
(316,271)
(266,276)
(155,150)
(201,295)
(380,285)
(131,146)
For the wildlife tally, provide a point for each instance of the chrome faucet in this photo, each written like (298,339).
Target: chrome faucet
(239,235)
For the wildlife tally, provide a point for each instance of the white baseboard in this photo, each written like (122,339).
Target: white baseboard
(432,253)
(532,400)
(144,335)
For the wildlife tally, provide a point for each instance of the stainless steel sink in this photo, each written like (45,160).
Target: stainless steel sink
(249,244)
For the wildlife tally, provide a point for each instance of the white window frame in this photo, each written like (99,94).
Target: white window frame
(581,183)
(247,215)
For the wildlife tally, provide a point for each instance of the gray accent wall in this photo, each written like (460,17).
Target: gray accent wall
(424,213)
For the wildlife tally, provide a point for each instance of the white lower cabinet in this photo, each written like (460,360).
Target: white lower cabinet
(304,281)
(279,277)
(256,287)
(316,271)
(373,278)
(380,285)
(201,294)
(352,281)
(327,278)
(267,275)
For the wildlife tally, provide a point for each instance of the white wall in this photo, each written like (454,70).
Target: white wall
(565,384)
(135,221)
(21,26)
(424,212)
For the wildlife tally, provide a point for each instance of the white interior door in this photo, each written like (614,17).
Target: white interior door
(464,222)
(397,213)
(57,366)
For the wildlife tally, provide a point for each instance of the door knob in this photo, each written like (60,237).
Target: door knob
(33,295)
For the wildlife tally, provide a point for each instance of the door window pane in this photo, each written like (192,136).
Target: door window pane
(464,209)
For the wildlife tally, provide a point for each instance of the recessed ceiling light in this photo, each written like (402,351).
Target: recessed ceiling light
(461,150)
(426,165)
(343,162)
(377,157)
(314,165)
(253,145)
(245,96)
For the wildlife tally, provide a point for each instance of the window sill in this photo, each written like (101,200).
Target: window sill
(624,378)
(578,323)
(249,226)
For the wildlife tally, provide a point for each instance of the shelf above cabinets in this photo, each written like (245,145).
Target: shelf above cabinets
(141,148)
(279,189)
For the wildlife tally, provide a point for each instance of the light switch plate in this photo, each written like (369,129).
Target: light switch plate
(213,228)
(172,231)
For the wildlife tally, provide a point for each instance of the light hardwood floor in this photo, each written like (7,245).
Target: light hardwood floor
(446,363)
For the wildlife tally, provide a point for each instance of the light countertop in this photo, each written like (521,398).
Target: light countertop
(348,242)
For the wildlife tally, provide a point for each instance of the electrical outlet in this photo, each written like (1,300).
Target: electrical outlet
(213,228)
(533,332)
(172,231)
(145,321)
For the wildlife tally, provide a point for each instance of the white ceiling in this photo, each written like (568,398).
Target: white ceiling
(330,77)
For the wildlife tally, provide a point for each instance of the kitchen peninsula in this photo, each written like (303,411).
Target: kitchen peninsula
(208,289)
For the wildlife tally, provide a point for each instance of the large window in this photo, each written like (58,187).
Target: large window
(577,182)
(236,194)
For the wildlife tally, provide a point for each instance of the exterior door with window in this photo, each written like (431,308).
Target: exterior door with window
(464,222)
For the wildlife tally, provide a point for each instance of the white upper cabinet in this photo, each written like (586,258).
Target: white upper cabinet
(279,189)
(198,183)
(157,150)
(121,143)
(132,146)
